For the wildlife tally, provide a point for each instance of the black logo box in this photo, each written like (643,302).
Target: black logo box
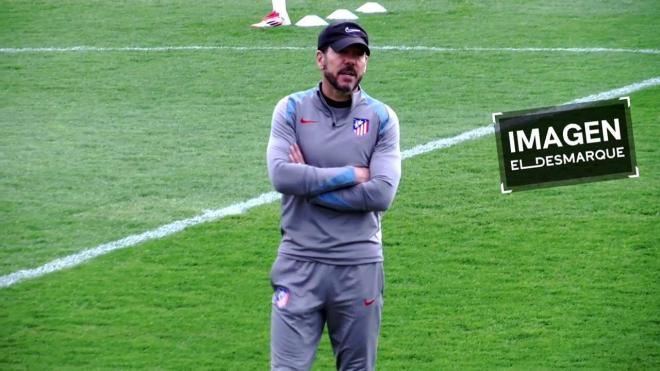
(589,142)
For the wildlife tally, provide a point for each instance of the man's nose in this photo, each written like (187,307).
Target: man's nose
(350,57)
(350,60)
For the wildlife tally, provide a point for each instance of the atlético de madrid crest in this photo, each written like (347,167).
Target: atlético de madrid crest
(281,297)
(360,126)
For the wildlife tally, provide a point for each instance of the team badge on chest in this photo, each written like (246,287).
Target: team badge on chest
(360,126)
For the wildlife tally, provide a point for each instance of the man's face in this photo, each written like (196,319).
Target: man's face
(343,70)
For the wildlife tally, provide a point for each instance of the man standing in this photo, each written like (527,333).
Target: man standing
(334,155)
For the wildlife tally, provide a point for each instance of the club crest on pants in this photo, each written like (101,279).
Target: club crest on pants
(281,297)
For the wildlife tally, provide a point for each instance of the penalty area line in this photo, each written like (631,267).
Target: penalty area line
(266,198)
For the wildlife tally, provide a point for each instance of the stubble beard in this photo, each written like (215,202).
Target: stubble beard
(346,88)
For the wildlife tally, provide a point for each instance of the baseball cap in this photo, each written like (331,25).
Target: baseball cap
(341,35)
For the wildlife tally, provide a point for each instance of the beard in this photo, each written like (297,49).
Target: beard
(334,81)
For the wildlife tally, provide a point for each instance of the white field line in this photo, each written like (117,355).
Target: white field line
(485,130)
(517,50)
(93,49)
(162,231)
(265,198)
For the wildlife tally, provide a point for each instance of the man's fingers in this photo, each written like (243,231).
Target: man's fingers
(292,155)
(295,155)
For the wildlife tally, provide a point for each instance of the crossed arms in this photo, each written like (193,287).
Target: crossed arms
(347,188)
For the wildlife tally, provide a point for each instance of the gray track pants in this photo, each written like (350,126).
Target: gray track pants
(308,295)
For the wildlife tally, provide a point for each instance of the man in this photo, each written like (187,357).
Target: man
(334,155)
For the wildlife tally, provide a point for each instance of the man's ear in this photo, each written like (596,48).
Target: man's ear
(320,59)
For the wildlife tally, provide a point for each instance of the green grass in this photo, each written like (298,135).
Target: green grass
(142,140)
(555,278)
(97,146)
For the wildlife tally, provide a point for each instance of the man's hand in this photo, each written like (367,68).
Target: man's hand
(295,154)
(362,174)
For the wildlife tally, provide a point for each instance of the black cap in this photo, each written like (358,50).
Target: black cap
(341,35)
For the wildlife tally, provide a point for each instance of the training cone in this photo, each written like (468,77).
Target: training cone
(343,14)
(311,21)
(371,7)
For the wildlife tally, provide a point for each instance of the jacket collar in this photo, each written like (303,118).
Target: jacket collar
(356,100)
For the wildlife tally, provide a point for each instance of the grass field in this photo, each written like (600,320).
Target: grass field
(96,146)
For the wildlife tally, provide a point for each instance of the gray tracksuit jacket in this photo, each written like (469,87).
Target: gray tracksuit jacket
(326,216)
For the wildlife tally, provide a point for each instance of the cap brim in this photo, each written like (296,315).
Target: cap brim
(342,44)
